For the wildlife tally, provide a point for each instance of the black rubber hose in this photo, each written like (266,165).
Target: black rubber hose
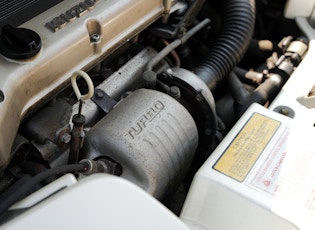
(261,95)
(238,91)
(10,197)
(238,22)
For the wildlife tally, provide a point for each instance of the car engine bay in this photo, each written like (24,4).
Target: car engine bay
(148,91)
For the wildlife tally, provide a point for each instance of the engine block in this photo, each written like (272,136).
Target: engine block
(25,84)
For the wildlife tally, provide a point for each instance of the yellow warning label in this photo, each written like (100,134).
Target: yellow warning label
(250,142)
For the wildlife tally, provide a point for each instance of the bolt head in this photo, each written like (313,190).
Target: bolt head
(99,94)
(66,138)
(95,37)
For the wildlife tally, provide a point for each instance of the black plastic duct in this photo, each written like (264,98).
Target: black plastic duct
(238,20)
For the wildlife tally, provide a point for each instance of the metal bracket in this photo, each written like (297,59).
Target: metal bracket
(103,100)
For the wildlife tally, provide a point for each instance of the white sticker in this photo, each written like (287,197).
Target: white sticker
(286,171)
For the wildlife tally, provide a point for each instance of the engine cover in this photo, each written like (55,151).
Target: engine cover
(151,135)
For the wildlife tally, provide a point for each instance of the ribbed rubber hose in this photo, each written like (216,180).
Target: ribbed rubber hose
(238,21)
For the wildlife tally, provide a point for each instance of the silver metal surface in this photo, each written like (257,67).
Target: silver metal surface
(127,78)
(49,128)
(25,85)
(151,135)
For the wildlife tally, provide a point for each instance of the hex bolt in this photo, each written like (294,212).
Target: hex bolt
(66,138)
(175,92)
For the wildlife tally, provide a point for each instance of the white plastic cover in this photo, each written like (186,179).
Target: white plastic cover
(296,8)
(98,202)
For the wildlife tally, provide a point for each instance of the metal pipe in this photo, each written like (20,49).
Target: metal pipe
(173,53)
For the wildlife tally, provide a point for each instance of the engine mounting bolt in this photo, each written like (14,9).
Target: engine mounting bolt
(66,138)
